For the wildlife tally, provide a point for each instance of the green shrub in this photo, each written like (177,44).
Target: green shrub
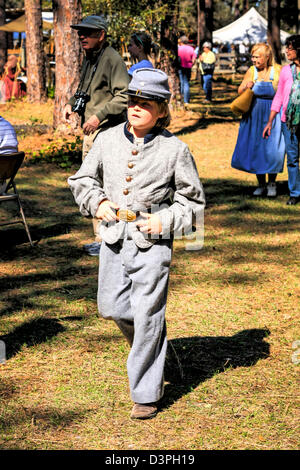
(63,153)
(51,92)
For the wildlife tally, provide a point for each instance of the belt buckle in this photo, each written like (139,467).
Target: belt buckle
(126,215)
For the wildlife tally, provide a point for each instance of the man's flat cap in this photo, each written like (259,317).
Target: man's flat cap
(92,22)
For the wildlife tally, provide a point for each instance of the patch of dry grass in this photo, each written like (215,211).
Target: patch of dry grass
(232,317)
(21,112)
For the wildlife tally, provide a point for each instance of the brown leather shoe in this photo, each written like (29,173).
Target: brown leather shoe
(143,411)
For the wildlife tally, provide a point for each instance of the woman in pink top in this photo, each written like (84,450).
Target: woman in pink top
(286,97)
(187,57)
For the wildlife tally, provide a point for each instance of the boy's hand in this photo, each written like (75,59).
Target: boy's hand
(105,211)
(151,223)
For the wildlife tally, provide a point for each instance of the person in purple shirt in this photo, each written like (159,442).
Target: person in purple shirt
(8,143)
(287,98)
(140,48)
(187,57)
(8,138)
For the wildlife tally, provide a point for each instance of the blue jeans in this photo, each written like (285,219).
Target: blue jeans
(292,153)
(185,76)
(207,86)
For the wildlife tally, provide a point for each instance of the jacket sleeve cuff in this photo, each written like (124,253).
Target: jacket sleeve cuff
(95,202)
(101,116)
(166,217)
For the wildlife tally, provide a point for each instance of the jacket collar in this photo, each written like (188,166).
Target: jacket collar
(92,55)
(154,132)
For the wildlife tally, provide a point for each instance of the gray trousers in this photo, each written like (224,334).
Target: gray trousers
(132,291)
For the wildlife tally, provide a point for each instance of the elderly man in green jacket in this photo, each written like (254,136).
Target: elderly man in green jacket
(101,98)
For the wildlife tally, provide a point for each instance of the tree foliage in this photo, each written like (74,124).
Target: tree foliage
(142,14)
(126,16)
(14,3)
(226,11)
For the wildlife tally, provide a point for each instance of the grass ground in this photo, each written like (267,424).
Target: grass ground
(232,315)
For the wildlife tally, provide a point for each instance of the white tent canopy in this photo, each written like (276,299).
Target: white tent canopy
(47,16)
(250,28)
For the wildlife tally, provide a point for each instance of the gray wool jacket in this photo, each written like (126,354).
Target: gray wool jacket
(158,176)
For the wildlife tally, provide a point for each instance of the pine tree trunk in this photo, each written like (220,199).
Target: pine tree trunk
(35,59)
(236,9)
(198,27)
(208,19)
(202,22)
(274,28)
(205,20)
(245,6)
(169,52)
(67,55)
(3,38)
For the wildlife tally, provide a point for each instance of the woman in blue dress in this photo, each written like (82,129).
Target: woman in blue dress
(140,48)
(253,153)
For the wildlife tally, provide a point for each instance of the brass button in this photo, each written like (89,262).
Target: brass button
(130,165)
(128,178)
(125,192)
(134,152)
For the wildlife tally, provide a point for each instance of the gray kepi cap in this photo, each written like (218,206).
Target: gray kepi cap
(92,22)
(151,84)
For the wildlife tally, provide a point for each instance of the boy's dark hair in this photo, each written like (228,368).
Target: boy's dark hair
(294,42)
(163,122)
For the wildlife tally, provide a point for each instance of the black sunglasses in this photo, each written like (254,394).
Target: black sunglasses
(87,32)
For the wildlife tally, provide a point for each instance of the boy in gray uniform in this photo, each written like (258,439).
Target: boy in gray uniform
(142,183)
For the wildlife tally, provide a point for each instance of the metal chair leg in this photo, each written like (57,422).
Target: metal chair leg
(24,222)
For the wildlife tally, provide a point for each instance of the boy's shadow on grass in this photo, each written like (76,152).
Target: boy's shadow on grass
(191,361)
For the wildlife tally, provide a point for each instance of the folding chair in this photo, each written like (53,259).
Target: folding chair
(9,166)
